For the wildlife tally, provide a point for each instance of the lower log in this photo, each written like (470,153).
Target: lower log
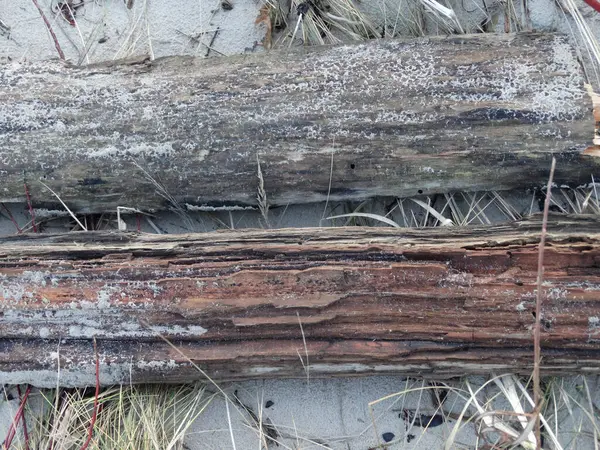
(440,302)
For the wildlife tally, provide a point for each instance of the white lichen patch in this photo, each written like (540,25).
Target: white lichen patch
(71,375)
(156,365)
(12,292)
(25,286)
(43,213)
(557,294)
(522,306)
(156,150)
(207,208)
(103,298)
(78,323)
(44,332)
(121,328)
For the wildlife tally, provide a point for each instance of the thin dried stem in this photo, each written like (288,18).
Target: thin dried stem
(95,413)
(61,54)
(20,415)
(537,394)
(11,217)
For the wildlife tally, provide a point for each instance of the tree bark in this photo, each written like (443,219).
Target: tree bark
(396,118)
(241,304)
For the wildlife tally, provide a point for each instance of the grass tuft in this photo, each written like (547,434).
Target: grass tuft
(145,417)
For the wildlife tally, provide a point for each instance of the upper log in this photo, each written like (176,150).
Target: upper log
(439,302)
(399,118)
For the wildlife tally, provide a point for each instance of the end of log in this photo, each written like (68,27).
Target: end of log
(594,150)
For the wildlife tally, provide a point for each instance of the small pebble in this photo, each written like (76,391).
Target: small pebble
(303,8)
(388,437)
(269,403)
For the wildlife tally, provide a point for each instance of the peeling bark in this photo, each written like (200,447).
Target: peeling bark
(439,302)
(401,118)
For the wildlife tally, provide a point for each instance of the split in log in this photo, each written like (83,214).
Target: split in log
(400,118)
(440,302)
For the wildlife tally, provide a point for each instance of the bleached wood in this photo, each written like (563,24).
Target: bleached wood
(428,116)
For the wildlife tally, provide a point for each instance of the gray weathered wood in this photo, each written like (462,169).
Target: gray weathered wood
(399,117)
(443,302)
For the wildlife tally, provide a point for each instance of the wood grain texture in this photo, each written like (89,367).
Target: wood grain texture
(441,302)
(477,112)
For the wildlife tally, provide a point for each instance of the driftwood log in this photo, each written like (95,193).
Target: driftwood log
(439,302)
(399,118)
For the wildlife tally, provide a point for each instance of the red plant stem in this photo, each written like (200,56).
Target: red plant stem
(25,432)
(95,413)
(50,30)
(30,208)
(537,351)
(594,4)
(13,426)
(12,219)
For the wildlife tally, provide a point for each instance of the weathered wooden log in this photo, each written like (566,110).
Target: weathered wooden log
(399,118)
(442,302)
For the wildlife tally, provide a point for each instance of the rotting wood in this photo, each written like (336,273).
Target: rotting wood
(438,302)
(401,118)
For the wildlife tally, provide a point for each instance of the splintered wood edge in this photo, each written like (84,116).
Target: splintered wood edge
(594,150)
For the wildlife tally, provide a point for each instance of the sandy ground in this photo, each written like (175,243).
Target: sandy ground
(108,29)
(358,414)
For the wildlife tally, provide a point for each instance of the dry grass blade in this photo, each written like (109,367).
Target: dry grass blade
(83,227)
(304,365)
(261,197)
(590,43)
(443,14)
(164,193)
(330,181)
(472,399)
(149,417)
(507,386)
(229,423)
(329,22)
(430,210)
(553,436)
(121,225)
(368,216)
(591,408)
(493,421)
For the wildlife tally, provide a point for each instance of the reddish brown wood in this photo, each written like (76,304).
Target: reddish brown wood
(443,301)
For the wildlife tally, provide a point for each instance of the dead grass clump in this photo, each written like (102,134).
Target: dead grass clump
(145,417)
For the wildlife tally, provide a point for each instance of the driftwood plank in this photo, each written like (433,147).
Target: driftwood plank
(399,117)
(443,302)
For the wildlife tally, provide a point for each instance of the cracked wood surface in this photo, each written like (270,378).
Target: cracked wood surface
(438,302)
(401,118)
